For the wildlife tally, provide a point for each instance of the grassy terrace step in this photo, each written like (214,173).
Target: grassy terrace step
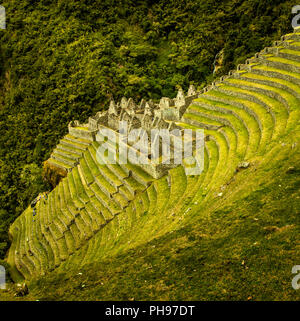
(78,140)
(133,186)
(266,90)
(70,185)
(245,124)
(289,54)
(88,221)
(282,63)
(88,176)
(60,164)
(101,208)
(110,177)
(67,199)
(93,166)
(63,159)
(76,234)
(162,189)
(70,149)
(108,173)
(97,217)
(288,100)
(72,207)
(12,259)
(202,190)
(62,248)
(26,259)
(63,218)
(73,144)
(276,79)
(43,248)
(277,73)
(85,230)
(123,190)
(70,242)
(261,104)
(222,167)
(282,86)
(137,172)
(116,169)
(152,196)
(64,222)
(30,249)
(43,241)
(146,202)
(80,189)
(178,185)
(194,192)
(49,209)
(37,248)
(82,178)
(66,153)
(120,200)
(294,45)
(162,193)
(201,122)
(105,186)
(47,236)
(141,205)
(65,215)
(216,151)
(214,116)
(20,255)
(109,203)
(228,119)
(91,249)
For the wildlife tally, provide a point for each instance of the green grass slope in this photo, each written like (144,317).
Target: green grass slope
(240,246)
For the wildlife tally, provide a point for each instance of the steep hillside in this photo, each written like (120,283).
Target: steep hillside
(64,60)
(115,232)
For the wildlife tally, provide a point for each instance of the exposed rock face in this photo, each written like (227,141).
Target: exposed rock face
(21,290)
(53,174)
(218,63)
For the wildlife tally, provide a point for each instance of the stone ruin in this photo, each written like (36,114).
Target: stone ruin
(146,114)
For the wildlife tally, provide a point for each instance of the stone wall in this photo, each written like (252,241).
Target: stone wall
(146,114)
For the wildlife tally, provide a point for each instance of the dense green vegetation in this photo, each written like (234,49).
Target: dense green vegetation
(63,60)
